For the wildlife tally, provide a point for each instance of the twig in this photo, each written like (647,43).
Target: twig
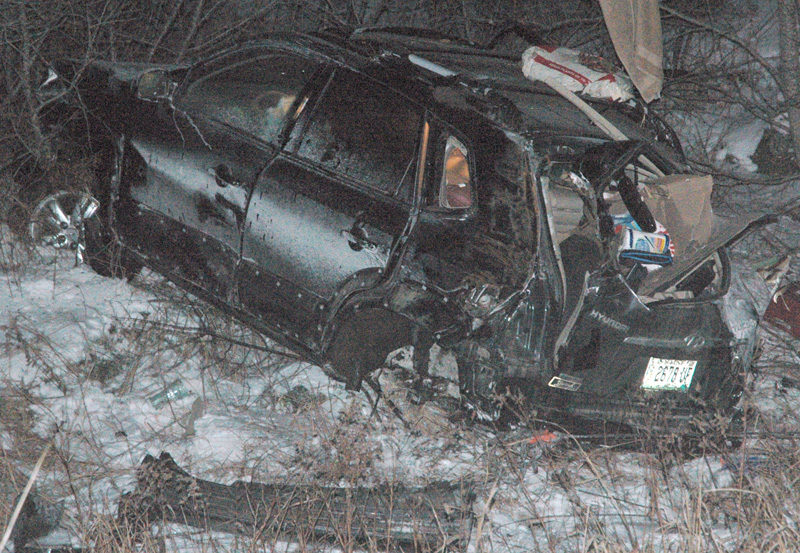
(376,387)
(732,38)
(374,411)
(196,49)
(198,12)
(203,330)
(41,151)
(23,497)
(482,518)
(743,179)
(165,29)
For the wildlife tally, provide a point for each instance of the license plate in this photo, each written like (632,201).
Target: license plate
(668,374)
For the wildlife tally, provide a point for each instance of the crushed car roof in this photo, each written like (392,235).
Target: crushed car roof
(415,63)
(540,109)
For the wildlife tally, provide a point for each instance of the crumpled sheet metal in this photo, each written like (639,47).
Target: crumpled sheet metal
(744,306)
(436,517)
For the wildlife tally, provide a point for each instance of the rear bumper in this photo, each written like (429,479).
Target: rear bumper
(609,351)
(648,421)
(719,334)
(601,367)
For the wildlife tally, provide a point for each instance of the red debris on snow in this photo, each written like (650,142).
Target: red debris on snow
(543,437)
(784,309)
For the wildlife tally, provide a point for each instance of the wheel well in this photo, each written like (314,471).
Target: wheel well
(363,339)
(79,163)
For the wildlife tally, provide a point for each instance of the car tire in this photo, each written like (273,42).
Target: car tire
(104,252)
(101,249)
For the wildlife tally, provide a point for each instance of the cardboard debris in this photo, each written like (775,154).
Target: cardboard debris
(683,204)
(635,29)
(724,232)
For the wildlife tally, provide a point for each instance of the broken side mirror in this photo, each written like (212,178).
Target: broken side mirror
(155,85)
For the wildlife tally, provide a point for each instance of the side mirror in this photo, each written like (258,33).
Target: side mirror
(155,85)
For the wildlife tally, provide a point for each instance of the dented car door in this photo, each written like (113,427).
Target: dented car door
(200,170)
(325,215)
(189,208)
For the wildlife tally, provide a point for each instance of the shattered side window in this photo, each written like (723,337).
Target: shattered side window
(254,96)
(367,132)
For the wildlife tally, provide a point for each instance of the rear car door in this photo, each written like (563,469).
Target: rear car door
(199,173)
(328,211)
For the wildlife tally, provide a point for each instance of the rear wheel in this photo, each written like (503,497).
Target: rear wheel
(58,219)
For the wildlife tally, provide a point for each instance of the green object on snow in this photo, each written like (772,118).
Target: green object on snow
(175,391)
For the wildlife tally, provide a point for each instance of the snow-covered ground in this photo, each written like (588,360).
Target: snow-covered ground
(82,357)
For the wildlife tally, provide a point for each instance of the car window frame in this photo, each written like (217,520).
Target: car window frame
(295,136)
(437,143)
(206,67)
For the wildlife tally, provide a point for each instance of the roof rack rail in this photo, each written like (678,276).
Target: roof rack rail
(412,32)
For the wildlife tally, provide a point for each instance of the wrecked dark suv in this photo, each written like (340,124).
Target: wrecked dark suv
(352,194)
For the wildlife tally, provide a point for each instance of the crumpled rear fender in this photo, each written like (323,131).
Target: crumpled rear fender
(743,308)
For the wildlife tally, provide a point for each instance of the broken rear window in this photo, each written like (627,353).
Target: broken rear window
(254,96)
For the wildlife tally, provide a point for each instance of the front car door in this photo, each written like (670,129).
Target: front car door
(198,173)
(328,211)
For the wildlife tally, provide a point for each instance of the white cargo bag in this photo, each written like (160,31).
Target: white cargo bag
(577,71)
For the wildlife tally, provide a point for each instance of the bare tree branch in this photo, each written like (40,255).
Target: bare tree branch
(165,29)
(764,63)
(196,15)
(790,68)
(40,148)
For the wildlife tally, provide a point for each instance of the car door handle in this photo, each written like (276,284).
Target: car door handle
(357,237)
(238,212)
(223,176)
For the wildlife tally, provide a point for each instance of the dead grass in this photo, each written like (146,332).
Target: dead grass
(16,413)
(610,499)
(574,497)
(568,496)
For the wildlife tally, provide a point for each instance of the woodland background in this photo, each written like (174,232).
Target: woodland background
(710,64)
